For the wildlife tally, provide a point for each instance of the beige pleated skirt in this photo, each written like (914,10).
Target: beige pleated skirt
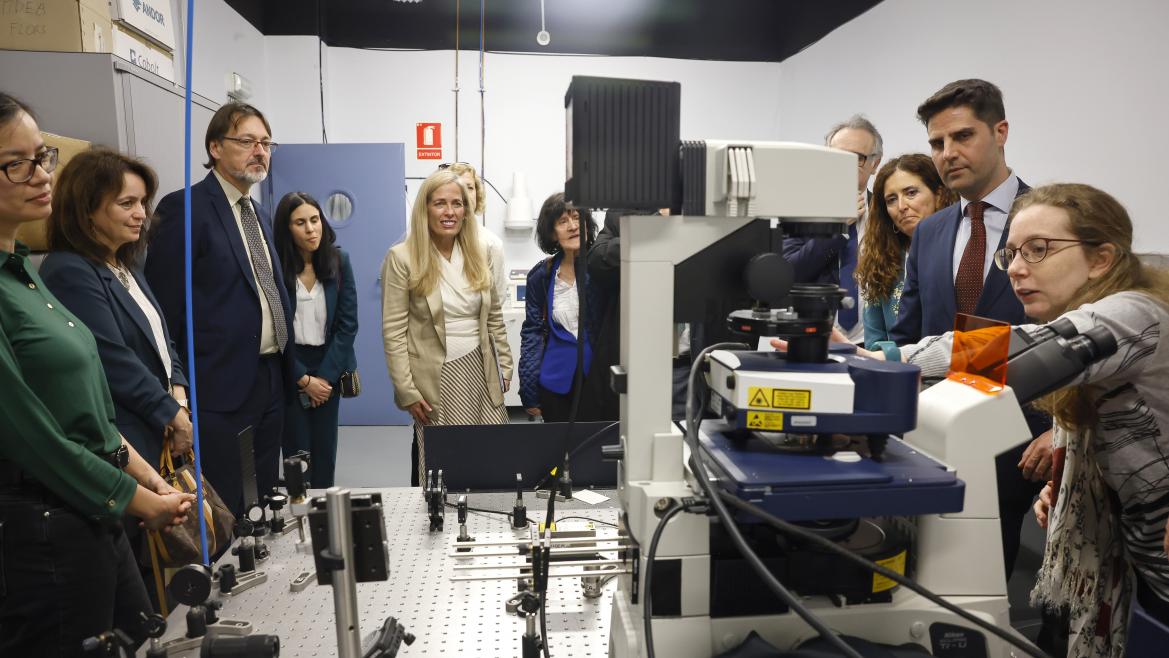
(463,400)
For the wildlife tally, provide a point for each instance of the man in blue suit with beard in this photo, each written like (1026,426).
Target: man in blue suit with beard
(242,323)
(949,269)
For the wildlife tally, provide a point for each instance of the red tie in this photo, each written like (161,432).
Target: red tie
(968,285)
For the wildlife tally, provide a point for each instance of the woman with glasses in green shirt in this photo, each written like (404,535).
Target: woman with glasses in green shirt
(66,474)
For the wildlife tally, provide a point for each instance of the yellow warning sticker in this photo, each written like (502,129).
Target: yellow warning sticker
(766,397)
(771,421)
(895,563)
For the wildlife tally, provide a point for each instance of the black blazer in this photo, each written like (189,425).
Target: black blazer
(340,326)
(226,298)
(134,369)
(928,301)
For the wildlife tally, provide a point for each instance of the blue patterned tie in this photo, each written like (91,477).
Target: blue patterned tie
(258,251)
(847,317)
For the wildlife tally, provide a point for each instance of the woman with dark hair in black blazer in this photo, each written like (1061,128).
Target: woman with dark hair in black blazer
(323,297)
(96,236)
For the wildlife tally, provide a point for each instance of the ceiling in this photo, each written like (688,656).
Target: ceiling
(732,30)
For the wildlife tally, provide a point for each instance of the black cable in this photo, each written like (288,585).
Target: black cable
(586,518)
(728,522)
(580,446)
(647,598)
(486,511)
(580,264)
(492,186)
(321,69)
(792,529)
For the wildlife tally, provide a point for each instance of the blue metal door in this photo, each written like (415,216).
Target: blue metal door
(371,180)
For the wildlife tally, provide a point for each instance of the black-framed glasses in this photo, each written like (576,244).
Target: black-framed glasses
(21,171)
(448,165)
(1035,250)
(249,143)
(862,159)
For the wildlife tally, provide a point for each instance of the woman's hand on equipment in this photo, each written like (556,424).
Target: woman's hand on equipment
(420,411)
(1043,506)
(533,411)
(1036,460)
(837,337)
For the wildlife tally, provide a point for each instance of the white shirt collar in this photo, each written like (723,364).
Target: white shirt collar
(232,192)
(1000,197)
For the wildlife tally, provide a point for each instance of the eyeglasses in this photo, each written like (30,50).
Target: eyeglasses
(862,159)
(448,165)
(21,171)
(1034,250)
(249,143)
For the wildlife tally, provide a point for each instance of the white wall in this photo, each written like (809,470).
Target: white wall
(1084,84)
(379,96)
(224,43)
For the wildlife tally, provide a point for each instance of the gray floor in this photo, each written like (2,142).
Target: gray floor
(373,456)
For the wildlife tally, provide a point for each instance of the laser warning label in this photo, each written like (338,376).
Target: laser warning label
(766,397)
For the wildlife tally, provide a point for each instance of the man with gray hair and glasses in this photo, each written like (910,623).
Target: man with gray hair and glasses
(833,260)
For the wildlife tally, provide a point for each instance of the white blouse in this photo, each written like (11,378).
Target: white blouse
(460,306)
(566,305)
(311,314)
(152,317)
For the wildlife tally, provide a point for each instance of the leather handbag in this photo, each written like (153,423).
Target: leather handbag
(350,384)
(182,544)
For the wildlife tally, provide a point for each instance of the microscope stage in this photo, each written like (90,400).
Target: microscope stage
(801,486)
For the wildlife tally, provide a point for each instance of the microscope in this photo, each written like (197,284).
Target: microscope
(810,435)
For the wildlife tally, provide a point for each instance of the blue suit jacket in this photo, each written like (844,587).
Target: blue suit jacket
(134,369)
(815,260)
(928,301)
(340,326)
(537,323)
(226,298)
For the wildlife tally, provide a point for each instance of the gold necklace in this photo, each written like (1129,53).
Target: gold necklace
(122,273)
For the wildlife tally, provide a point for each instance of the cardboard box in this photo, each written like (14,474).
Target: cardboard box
(33,233)
(136,50)
(152,19)
(58,25)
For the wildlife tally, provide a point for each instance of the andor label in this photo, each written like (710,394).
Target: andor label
(766,397)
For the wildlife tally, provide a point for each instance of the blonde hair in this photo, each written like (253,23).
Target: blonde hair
(1101,221)
(479,203)
(424,271)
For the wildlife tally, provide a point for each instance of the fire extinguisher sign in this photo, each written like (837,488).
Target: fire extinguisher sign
(429,138)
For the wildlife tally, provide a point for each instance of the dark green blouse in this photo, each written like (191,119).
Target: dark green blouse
(56,414)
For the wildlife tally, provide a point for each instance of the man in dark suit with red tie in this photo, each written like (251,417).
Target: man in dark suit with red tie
(949,268)
(242,323)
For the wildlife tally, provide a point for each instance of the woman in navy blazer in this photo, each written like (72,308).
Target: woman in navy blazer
(96,234)
(553,321)
(323,298)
